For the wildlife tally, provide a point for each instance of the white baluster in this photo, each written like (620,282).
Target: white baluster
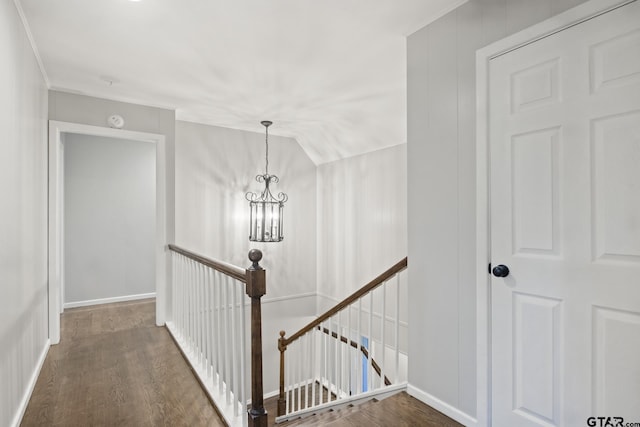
(200,321)
(219,332)
(397,327)
(339,349)
(203,317)
(294,371)
(190,307)
(193,311)
(329,354)
(383,323)
(359,348)
(294,377)
(303,374)
(212,331)
(227,340)
(334,367)
(185,301)
(234,345)
(209,328)
(179,280)
(174,280)
(325,364)
(181,293)
(349,350)
(313,335)
(299,373)
(243,351)
(287,380)
(173,287)
(309,369)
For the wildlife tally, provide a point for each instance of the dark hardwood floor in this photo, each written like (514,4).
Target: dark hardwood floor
(114,367)
(399,410)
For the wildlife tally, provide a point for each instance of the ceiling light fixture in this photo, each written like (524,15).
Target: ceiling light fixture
(266,210)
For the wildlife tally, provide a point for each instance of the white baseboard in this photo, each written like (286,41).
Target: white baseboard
(442,406)
(269,395)
(108,300)
(30,386)
(286,298)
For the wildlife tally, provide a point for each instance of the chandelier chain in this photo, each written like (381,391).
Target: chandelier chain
(266,143)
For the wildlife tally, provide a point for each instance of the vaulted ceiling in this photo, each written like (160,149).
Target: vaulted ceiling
(329,73)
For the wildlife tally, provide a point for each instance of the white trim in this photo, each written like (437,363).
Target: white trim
(109,300)
(108,97)
(439,405)
(17,419)
(56,214)
(32,42)
(266,396)
(285,298)
(570,18)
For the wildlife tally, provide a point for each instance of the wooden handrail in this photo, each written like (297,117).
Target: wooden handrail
(221,266)
(398,267)
(284,342)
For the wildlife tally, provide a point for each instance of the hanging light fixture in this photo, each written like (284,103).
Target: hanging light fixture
(266,210)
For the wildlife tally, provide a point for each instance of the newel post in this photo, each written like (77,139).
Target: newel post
(256,288)
(282,401)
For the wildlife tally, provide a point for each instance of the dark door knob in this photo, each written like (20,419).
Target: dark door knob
(500,270)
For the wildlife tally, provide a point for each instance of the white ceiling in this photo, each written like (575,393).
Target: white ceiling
(329,73)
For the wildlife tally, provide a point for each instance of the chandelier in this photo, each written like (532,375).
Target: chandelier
(266,210)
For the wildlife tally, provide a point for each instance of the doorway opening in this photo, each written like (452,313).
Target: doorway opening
(58,133)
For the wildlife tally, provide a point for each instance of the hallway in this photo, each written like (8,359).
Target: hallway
(114,367)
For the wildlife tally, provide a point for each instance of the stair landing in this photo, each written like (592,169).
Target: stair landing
(398,410)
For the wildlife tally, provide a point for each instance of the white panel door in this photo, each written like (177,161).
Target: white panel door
(565,219)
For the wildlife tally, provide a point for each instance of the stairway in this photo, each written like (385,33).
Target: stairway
(397,410)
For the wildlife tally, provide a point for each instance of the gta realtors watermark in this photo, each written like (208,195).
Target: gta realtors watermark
(609,422)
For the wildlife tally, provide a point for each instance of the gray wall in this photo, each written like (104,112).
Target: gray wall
(215,167)
(23,213)
(362,220)
(110,213)
(441,182)
(76,108)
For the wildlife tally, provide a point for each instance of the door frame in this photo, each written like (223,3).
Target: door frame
(553,25)
(56,215)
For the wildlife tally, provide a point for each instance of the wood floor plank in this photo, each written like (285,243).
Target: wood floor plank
(114,367)
(399,410)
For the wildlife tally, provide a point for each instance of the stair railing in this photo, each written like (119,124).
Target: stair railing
(208,325)
(350,352)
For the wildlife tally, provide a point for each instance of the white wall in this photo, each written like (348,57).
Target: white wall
(441,179)
(109,210)
(215,167)
(362,220)
(23,215)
